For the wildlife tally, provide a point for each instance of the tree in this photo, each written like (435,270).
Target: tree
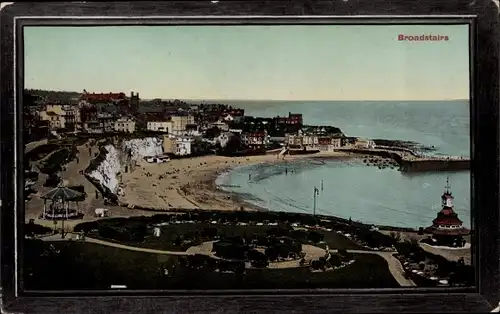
(177,241)
(239,268)
(272,253)
(395,236)
(213,132)
(315,237)
(342,252)
(335,260)
(233,145)
(316,265)
(209,232)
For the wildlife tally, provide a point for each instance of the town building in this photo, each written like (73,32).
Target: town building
(34,128)
(293,139)
(169,144)
(230,113)
(224,138)
(159,126)
(100,123)
(94,98)
(447,229)
(179,145)
(364,143)
(292,119)
(184,146)
(312,141)
(60,116)
(181,123)
(221,125)
(256,140)
(118,100)
(134,102)
(125,125)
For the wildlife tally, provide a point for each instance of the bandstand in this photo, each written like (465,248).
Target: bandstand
(59,207)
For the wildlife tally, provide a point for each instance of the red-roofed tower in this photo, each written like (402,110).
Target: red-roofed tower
(447,227)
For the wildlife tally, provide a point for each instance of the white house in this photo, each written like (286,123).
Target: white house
(221,125)
(223,138)
(365,143)
(159,126)
(228,117)
(183,146)
(125,125)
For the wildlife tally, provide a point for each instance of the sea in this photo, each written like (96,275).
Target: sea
(350,189)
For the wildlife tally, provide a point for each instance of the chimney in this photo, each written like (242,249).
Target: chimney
(131,94)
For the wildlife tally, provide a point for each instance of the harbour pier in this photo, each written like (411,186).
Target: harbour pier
(409,161)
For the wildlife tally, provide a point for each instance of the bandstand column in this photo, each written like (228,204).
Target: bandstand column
(44,208)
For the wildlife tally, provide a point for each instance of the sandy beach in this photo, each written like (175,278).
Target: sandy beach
(189,183)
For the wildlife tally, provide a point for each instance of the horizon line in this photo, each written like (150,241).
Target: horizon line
(246,99)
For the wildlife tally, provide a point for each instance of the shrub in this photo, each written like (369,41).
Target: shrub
(86,226)
(34,229)
(229,250)
(395,236)
(55,161)
(316,265)
(335,260)
(52,181)
(209,232)
(315,237)
(41,151)
(115,233)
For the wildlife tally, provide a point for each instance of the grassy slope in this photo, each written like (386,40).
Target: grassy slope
(92,266)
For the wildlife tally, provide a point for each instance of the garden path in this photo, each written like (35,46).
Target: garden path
(312,252)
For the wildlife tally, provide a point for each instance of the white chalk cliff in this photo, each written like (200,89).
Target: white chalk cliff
(107,171)
(144,147)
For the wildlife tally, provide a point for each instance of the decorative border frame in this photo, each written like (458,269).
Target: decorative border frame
(481,15)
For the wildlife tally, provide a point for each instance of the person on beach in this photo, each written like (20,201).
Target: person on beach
(249,177)
(286,171)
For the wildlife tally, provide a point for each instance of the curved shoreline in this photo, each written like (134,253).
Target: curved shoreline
(190,183)
(259,196)
(195,187)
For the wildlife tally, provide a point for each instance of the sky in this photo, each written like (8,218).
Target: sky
(251,62)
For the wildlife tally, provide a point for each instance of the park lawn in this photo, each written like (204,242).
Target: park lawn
(337,241)
(83,265)
(92,266)
(170,232)
(369,271)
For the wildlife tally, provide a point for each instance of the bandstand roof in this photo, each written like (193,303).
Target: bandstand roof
(63,193)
